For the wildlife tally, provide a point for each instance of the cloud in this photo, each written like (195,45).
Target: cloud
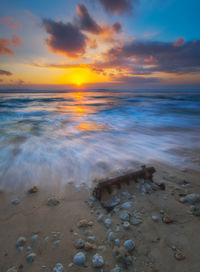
(179,42)
(117,27)
(165,56)
(118,6)
(5,73)
(6,43)
(86,21)
(65,39)
(10,22)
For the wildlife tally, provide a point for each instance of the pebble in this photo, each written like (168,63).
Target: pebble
(33,190)
(126,205)
(91,239)
(12,269)
(117,242)
(117,228)
(79,259)
(44,267)
(20,248)
(70,265)
(83,223)
(29,248)
(129,245)
(167,220)
(100,217)
(34,238)
(192,198)
(80,244)
(111,236)
(107,222)
(126,194)
(56,243)
(179,256)
(116,269)
(46,239)
(90,223)
(88,246)
(58,268)
(15,201)
(53,202)
(126,225)
(97,261)
(136,221)
(21,241)
(155,218)
(30,258)
(124,216)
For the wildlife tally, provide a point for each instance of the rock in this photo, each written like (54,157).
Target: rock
(97,261)
(34,238)
(182,200)
(192,198)
(30,258)
(33,190)
(155,218)
(53,202)
(58,268)
(44,267)
(107,222)
(20,248)
(117,242)
(111,236)
(88,246)
(91,239)
(83,223)
(126,225)
(21,241)
(15,201)
(70,265)
(124,216)
(126,194)
(136,221)
(126,205)
(179,256)
(56,243)
(117,228)
(90,223)
(80,244)
(167,220)
(12,269)
(108,205)
(116,269)
(29,248)
(129,245)
(100,217)
(79,259)
(122,256)
(46,239)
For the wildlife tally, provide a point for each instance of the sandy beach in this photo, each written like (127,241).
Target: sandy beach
(52,232)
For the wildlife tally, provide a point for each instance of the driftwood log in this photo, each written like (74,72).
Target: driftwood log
(108,183)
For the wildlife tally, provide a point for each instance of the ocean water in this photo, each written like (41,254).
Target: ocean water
(78,136)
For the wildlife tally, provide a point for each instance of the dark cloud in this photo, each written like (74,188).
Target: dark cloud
(5,73)
(118,6)
(65,39)
(117,27)
(160,56)
(6,43)
(86,21)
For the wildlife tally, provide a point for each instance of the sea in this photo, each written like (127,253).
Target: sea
(54,138)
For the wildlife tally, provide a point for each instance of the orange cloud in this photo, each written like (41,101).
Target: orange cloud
(10,22)
(5,43)
(179,42)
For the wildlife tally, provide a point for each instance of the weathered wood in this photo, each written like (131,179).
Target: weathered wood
(108,183)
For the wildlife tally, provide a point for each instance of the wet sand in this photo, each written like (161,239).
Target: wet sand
(156,243)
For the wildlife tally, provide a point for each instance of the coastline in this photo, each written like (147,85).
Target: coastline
(155,242)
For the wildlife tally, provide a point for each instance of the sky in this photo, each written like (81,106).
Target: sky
(95,44)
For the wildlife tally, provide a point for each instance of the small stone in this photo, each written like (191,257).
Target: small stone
(30,258)
(29,248)
(107,222)
(162,212)
(100,217)
(15,201)
(179,256)
(44,267)
(135,221)
(126,205)
(12,269)
(90,223)
(126,225)
(167,220)
(97,261)
(79,259)
(88,246)
(117,228)
(80,244)
(33,190)
(182,200)
(155,218)
(56,243)
(192,198)
(129,245)
(20,248)
(75,234)
(111,236)
(70,265)
(34,238)
(124,216)
(53,202)
(117,242)
(83,223)
(58,268)
(116,269)
(91,239)
(21,241)
(46,239)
